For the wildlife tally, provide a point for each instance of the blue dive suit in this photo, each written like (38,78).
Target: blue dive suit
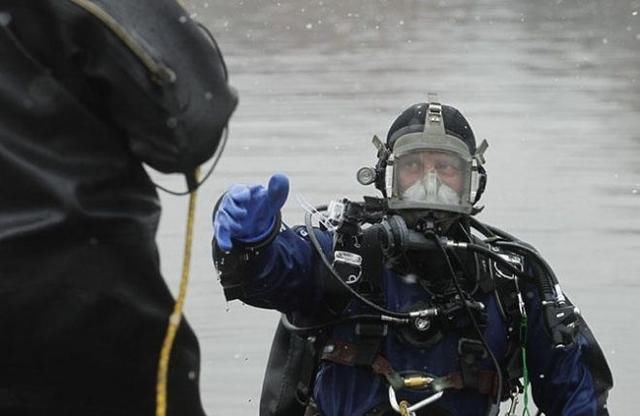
(284,276)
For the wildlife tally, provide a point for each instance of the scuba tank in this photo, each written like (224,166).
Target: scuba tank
(288,377)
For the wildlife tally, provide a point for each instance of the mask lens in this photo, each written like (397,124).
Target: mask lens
(433,177)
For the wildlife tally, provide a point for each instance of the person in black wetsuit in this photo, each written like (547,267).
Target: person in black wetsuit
(89,91)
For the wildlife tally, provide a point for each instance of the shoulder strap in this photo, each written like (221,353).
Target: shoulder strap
(372,263)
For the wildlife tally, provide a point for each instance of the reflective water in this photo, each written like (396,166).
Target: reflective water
(554,86)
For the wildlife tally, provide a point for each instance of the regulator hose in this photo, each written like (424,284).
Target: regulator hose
(472,318)
(362,317)
(336,276)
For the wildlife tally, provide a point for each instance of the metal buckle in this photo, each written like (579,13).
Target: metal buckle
(393,400)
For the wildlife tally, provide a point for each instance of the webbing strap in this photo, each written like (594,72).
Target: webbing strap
(471,351)
(487,382)
(347,354)
(372,263)
(350,354)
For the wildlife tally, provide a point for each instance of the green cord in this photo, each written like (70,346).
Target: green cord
(525,370)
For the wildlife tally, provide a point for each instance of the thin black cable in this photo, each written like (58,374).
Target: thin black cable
(483,228)
(533,253)
(463,264)
(225,132)
(216,159)
(476,327)
(362,317)
(503,234)
(216,47)
(494,232)
(495,256)
(336,276)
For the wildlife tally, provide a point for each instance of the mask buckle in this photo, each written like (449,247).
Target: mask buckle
(434,121)
(478,175)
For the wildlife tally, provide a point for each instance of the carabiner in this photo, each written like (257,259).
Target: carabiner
(394,402)
(514,404)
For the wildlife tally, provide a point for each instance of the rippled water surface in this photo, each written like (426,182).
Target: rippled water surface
(554,86)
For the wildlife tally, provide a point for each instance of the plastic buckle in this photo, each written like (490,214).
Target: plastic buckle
(474,347)
(371,330)
(349,264)
(335,213)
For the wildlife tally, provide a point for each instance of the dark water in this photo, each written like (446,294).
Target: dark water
(554,86)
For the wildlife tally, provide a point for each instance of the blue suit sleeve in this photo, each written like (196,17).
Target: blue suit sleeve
(568,382)
(284,275)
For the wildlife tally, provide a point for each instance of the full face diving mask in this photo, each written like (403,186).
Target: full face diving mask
(433,170)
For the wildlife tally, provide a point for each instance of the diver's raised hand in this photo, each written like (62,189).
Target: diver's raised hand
(248,213)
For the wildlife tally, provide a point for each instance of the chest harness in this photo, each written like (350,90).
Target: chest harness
(364,235)
(498,262)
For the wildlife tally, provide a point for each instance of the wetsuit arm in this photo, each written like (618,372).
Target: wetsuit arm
(570,382)
(282,275)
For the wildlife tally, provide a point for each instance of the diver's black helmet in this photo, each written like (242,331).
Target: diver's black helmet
(433,161)
(412,120)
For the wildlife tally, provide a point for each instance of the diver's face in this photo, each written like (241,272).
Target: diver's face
(414,166)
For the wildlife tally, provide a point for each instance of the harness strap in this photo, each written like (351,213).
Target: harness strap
(486,381)
(307,368)
(352,355)
(507,293)
(372,263)
(471,352)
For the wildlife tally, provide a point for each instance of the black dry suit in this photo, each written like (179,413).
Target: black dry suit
(88,91)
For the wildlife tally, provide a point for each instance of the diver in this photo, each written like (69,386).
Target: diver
(407,304)
(91,90)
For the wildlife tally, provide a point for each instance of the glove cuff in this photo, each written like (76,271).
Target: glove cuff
(263,239)
(232,266)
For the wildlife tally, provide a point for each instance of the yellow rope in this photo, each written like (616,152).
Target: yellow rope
(165,74)
(176,315)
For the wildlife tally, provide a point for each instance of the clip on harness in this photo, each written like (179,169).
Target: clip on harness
(354,355)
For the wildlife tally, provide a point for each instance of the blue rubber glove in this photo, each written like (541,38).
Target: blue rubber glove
(248,213)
